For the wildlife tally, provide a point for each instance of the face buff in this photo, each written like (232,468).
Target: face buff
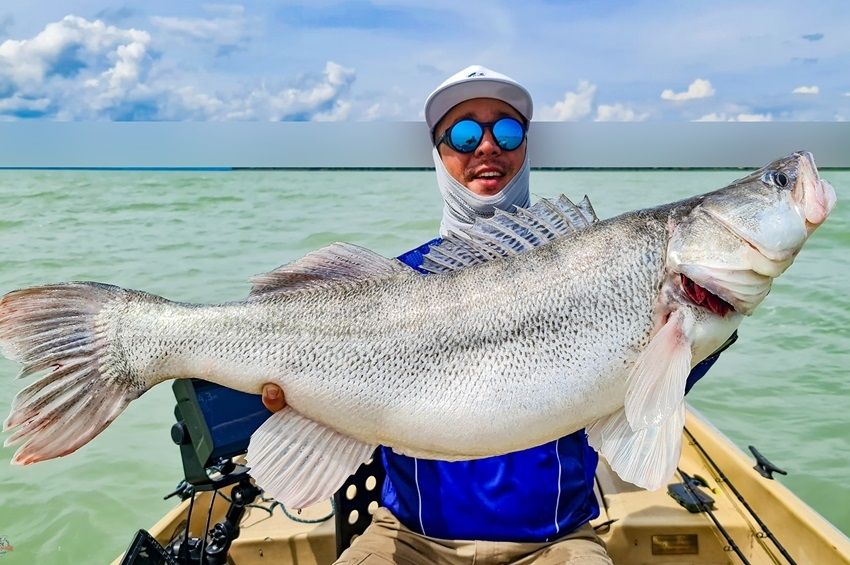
(461,207)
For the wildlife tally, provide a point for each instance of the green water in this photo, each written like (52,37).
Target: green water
(199,236)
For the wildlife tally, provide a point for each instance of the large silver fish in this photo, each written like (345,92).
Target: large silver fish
(537,324)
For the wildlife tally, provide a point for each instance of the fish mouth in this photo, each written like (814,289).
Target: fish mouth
(724,290)
(814,196)
(701,296)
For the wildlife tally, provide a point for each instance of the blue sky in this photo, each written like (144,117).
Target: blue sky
(378,60)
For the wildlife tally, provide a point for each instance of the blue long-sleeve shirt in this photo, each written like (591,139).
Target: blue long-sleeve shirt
(533,495)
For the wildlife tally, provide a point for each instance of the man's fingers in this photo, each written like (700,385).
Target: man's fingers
(273,398)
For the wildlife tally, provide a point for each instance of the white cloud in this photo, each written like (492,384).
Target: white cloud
(806,90)
(318,100)
(373,112)
(119,81)
(392,105)
(575,105)
(226,51)
(754,118)
(229,29)
(66,48)
(320,97)
(580,104)
(339,112)
(619,113)
(18,104)
(847,94)
(78,69)
(188,104)
(741,117)
(700,88)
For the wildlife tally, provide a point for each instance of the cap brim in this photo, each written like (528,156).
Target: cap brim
(444,99)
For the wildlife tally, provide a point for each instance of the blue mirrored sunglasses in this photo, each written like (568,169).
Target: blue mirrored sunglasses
(465,136)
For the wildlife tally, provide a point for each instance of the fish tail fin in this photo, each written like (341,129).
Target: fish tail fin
(55,328)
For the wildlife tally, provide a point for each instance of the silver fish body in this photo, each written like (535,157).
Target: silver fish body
(473,363)
(504,349)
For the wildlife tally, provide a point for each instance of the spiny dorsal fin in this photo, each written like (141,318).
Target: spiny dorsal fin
(507,234)
(587,208)
(332,264)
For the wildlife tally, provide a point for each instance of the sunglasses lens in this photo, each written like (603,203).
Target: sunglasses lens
(508,133)
(465,136)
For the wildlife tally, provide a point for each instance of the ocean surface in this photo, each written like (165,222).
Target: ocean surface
(199,236)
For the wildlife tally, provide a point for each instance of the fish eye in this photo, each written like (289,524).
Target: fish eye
(780,179)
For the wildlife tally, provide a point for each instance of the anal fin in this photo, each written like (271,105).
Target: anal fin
(299,461)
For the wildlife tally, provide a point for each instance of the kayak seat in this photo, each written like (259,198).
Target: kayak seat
(356,500)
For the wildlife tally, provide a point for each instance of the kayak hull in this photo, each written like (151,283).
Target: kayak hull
(637,526)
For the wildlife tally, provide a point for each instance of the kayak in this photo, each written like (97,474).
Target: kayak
(722,509)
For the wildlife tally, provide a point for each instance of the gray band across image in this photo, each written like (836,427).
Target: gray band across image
(406,145)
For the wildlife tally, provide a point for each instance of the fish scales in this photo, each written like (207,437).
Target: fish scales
(512,343)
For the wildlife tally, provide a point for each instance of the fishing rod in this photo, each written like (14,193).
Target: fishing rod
(687,480)
(721,478)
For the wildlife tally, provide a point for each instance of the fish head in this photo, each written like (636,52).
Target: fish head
(731,243)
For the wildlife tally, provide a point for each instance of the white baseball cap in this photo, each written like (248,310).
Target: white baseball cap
(476,81)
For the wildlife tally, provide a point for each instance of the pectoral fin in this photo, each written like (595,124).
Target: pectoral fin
(299,461)
(645,457)
(656,383)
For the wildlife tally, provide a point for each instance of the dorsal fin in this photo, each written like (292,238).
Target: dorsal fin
(507,234)
(587,209)
(335,263)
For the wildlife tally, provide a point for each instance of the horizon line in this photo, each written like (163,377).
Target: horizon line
(220,169)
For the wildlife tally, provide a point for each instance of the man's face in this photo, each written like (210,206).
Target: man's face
(469,168)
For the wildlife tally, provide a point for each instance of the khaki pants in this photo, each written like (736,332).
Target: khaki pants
(386,540)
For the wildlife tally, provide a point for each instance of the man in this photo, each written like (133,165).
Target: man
(530,506)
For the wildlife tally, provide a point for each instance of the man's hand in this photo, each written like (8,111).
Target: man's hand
(273,397)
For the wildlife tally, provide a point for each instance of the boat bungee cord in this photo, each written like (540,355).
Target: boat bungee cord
(302,520)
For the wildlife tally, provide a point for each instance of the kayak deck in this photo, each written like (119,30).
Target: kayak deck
(638,526)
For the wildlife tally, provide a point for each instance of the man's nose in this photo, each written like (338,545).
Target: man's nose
(488,145)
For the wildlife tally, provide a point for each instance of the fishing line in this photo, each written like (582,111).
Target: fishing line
(686,480)
(207,527)
(721,478)
(185,546)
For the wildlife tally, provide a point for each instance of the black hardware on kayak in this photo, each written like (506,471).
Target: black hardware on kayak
(690,494)
(145,550)
(213,425)
(765,468)
(212,548)
(183,489)
(690,484)
(721,478)
(223,534)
